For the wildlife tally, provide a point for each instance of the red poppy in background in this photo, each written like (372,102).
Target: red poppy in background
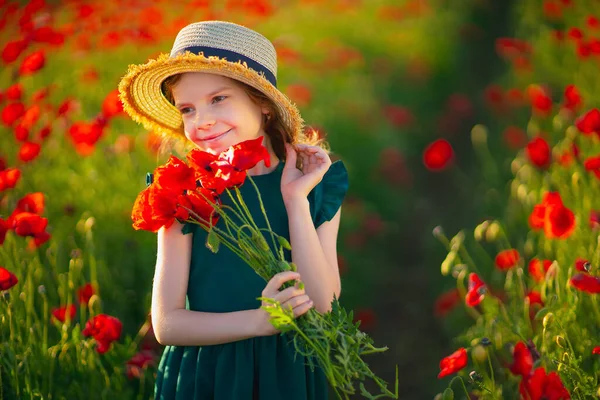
(7,279)
(585,282)
(32,63)
(139,362)
(557,221)
(453,363)
(573,100)
(9,178)
(538,269)
(523,360)
(104,329)
(538,152)
(541,386)
(85,135)
(14,92)
(299,94)
(510,48)
(596,350)
(589,122)
(85,292)
(4,228)
(29,151)
(446,302)
(31,203)
(62,312)
(438,155)
(507,259)
(47,34)
(535,298)
(398,116)
(112,105)
(592,164)
(29,224)
(541,103)
(476,290)
(367,318)
(514,137)
(582,265)
(12,112)
(12,50)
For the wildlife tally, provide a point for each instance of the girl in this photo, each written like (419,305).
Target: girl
(217,88)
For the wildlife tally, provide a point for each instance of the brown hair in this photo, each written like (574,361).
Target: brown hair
(276,130)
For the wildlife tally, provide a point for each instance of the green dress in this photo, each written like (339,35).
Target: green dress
(260,368)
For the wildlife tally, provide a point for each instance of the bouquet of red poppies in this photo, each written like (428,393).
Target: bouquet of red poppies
(191,193)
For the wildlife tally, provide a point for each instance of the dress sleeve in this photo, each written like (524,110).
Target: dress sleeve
(188,227)
(327,197)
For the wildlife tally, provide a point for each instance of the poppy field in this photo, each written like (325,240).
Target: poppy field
(469,241)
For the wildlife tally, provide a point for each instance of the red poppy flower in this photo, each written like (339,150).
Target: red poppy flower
(31,203)
(175,176)
(538,269)
(67,107)
(398,116)
(86,134)
(299,94)
(596,350)
(476,290)
(4,228)
(523,361)
(244,156)
(31,116)
(12,112)
(199,201)
(589,122)
(541,103)
(540,386)
(14,92)
(9,178)
(39,239)
(29,151)
(538,152)
(139,362)
(586,283)
(29,224)
(367,318)
(573,100)
(13,50)
(514,137)
(85,292)
(592,164)
(7,279)
(535,298)
(154,209)
(438,155)
(510,48)
(594,219)
(593,22)
(104,329)
(32,63)
(552,10)
(112,105)
(453,363)
(575,33)
(507,259)
(47,34)
(582,265)
(62,312)
(446,302)
(393,167)
(557,221)
(494,97)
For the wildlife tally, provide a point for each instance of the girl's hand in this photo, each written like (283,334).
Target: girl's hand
(297,184)
(290,297)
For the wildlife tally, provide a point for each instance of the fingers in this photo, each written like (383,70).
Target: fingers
(288,294)
(295,301)
(277,280)
(303,308)
(291,156)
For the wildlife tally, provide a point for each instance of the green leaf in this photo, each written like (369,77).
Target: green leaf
(448,394)
(213,241)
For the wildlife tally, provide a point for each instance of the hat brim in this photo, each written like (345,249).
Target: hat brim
(142,97)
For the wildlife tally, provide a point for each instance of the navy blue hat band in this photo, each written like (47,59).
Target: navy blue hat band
(233,57)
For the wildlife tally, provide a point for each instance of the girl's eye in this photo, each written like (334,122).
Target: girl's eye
(218,97)
(184,110)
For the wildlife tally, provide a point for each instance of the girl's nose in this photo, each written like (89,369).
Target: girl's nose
(204,121)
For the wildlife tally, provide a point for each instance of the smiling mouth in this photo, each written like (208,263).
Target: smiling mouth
(215,137)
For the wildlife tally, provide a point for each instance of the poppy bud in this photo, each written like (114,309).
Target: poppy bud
(560,341)
(533,128)
(547,320)
(480,230)
(492,233)
(572,132)
(479,135)
(479,353)
(558,122)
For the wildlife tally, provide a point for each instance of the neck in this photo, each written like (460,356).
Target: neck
(261,168)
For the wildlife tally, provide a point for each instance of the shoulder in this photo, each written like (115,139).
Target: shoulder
(327,197)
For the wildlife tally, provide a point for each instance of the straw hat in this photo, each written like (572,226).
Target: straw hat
(215,47)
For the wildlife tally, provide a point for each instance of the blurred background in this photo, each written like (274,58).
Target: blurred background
(396,86)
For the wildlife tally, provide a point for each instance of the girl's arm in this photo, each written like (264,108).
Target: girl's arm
(172,323)
(314,253)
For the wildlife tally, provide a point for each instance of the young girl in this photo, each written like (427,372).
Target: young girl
(217,88)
